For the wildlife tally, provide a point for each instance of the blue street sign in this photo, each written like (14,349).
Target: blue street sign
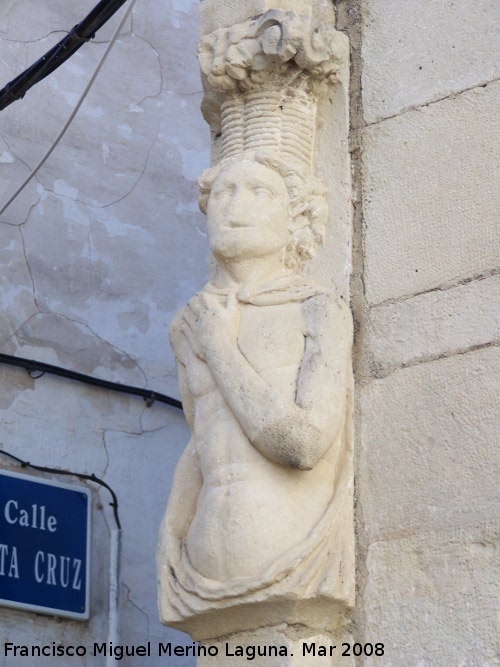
(44,546)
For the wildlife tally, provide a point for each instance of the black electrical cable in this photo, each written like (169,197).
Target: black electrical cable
(58,54)
(39,367)
(91,478)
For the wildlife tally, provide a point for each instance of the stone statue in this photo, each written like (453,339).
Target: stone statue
(264,368)
(258,530)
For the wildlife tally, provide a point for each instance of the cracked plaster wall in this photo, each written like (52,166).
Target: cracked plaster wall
(425,291)
(96,255)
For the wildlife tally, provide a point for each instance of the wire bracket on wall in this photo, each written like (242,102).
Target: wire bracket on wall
(41,368)
(58,54)
(79,475)
(43,67)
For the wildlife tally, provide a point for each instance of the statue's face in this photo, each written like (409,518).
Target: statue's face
(247,212)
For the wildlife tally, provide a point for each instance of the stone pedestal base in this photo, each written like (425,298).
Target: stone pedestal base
(279,646)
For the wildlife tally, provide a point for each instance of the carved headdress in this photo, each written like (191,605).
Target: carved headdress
(266,74)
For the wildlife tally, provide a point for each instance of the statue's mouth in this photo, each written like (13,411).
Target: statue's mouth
(238,225)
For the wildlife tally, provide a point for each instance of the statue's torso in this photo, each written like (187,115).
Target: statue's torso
(250,510)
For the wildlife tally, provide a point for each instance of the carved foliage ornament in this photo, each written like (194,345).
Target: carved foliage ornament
(277,44)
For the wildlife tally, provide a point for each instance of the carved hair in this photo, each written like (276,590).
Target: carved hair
(306,202)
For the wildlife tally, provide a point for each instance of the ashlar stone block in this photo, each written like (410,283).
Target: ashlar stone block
(429,457)
(418,52)
(430,198)
(449,321)
(432,598)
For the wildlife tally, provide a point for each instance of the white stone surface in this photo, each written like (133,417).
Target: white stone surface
(418,52)
(426,299)
(430,197)
(441,322)
(264,360)
(279,646)
(429,457)
(264,353)
(432,598)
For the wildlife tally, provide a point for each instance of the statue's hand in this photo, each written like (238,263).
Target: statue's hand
(210,325)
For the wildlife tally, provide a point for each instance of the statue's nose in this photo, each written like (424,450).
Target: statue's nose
(237,209)
(237,202)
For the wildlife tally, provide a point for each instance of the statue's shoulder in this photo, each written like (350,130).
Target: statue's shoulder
(176,323)
(176,334)
(326,300)
(326,310)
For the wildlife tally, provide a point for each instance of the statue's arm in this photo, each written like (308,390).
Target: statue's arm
(324,376)
(180,347)
(188,479)
(295,434)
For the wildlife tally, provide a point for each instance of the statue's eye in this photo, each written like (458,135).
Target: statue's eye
(220,194)
(264,192)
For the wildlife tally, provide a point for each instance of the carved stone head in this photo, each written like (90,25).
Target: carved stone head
(256,203)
